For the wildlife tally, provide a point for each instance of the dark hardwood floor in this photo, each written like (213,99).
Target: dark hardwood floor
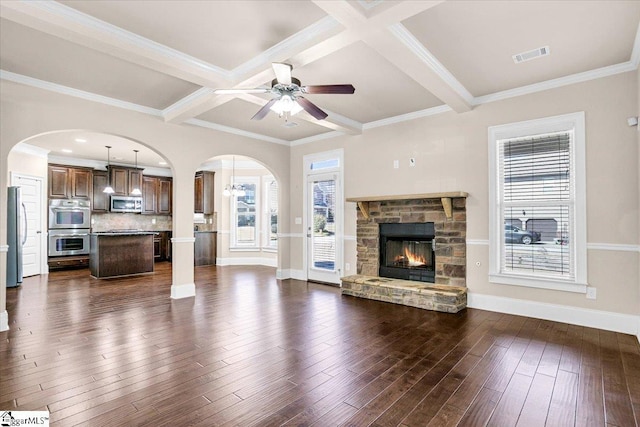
(251,350)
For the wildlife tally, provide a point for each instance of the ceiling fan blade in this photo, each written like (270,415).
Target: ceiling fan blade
(311,108)
(283,72)
(264,110)
(335,89)
(239,91)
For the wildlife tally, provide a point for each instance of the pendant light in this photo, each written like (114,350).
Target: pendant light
(136,191)
(108,189)
(233,189)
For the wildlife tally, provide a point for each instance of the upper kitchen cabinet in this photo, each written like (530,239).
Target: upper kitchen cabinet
(203,189)
(124,180)
(67,182)
(100,199)
(156,195)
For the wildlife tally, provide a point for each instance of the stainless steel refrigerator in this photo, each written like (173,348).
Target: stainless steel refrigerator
(16,234)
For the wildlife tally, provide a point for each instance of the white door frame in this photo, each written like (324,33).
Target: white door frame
(308,175)
(14,176)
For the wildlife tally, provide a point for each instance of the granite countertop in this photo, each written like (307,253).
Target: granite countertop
(125,232)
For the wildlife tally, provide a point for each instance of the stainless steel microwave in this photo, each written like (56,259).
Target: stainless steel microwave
(126,204)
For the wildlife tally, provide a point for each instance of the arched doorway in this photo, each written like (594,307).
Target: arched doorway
(71,168)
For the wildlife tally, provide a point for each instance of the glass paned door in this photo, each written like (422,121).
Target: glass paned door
(322,230)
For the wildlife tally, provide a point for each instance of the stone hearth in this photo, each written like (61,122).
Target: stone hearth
(449,217)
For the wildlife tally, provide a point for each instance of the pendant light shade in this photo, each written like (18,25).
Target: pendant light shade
(136,191)
(233,189)
(108,189)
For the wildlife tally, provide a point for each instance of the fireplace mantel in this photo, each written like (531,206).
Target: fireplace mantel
(445,198)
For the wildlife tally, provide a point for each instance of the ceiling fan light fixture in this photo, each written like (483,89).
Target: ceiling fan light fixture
(286,104)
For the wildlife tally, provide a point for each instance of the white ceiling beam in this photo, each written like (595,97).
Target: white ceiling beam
(356,24)
(67,23)
(402,49)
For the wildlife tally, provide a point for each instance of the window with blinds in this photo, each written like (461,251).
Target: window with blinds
(537,198)
(537,187)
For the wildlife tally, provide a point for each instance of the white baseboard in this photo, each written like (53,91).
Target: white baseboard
(607,320)
(185,290)
(288,273)
(268,262)
(4,321)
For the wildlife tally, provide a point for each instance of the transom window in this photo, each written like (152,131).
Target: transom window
(538,224)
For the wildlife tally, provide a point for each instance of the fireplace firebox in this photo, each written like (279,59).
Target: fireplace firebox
(407,251)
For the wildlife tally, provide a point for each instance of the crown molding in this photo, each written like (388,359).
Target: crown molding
(31,150)
(315,138)
(413,44)
(556,83)
(76,93)
(234,131)
(635,53)
(203,92)
(408,116)
(75,16)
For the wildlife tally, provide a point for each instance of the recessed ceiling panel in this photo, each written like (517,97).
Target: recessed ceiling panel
(382,90)
(222,33)
(35,54)
(91,146)
(237,113)
(475,40)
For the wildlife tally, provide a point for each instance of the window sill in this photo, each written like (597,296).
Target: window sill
(270,250)
(540,283)
(244,249)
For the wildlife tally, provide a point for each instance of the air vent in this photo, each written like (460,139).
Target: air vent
(532,54)
(290,124)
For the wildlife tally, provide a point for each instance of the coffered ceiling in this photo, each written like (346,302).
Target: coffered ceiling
(406,59)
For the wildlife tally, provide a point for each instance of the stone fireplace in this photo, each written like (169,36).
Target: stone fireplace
(449,234)
(411,250)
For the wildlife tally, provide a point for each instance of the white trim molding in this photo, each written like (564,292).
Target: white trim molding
(183,239)
(31,150)
(607,320)
(4,321)
(4,248)
(267,262)
(613,247)
(478,242)
(288,273)
(184,290)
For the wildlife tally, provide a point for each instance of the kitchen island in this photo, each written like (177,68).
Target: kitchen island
(121,253)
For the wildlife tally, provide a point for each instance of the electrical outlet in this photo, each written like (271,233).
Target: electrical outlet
(347,266)
(153,220)
(396,164)
(412,161)
(591,292)
(298,220)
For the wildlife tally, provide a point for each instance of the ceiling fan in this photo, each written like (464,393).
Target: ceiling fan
(287,94)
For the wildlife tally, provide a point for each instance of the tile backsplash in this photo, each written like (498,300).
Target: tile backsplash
(133,221)
(129,221)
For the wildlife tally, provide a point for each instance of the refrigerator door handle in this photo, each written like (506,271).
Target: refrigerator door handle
(24,215)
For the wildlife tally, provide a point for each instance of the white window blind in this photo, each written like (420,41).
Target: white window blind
(538,213)
(537,194)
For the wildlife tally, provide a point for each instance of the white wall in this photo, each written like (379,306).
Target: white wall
(451,152)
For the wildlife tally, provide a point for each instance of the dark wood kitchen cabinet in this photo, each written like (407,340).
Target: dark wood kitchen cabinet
(156,195)
(124,180)
(99,199)
(67,182)
(162,246)
(205,248)
(203,192)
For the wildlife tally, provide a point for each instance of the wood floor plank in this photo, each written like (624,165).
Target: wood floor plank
(251,350)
